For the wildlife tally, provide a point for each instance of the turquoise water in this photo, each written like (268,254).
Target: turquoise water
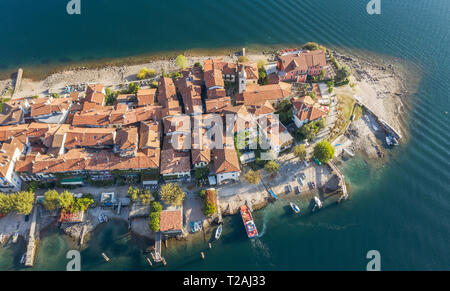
(402,209)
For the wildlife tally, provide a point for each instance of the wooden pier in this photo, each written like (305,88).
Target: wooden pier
(158,247)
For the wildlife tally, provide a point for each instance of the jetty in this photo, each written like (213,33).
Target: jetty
(386,126)
(18,82)
(342,180)
(31,247)
(158,257)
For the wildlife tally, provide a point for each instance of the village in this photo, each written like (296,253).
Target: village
(171,152)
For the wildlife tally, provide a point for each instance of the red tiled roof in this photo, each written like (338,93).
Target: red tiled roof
(170,220)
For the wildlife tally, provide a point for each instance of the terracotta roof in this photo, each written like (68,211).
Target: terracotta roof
(166,92)
(307,109)
(213,78)
(302,60)
(12,112)
(180,123)
(217,105)
(149,134)
(216,93)
(127,138)
(174,162)
(7,151)
(49,105)
(14,131)
(89,137)
(256,95)
(125,98)
(24,164)
(251,70)
(171,220)
(146,96)
(94,93)
(263,109)
(225,160)
(191,95)
(74,95)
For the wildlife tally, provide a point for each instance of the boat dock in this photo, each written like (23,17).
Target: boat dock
(31,247)
(158,247)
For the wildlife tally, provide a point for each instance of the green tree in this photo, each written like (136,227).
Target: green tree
(342,75)
(151,73)
(143,73)
(261,63)
(132,88)
(66,200)
(154,221)
(253,177)
(324,151)
(156,206)
(145,197)
(6,204)
(308,131)
(133,193)
(242,59)
(300,152)
(199,65)
(82,204)
(311,46)
(172,194)
(23,202)
(209,208)
(271,167)
(181,61)
(51,200)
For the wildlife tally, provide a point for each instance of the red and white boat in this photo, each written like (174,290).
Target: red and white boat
(249,224)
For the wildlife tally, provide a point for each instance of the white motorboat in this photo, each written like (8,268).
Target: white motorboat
(15,236)
(318,202)
(218,231)
(294,207)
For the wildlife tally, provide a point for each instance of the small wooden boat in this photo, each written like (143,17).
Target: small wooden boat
(318,202)
(218,231)
(105,257)
(294,207)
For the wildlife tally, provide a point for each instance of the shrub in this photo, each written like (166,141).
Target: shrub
(181,61)
(154,221)
(253,177)
(143,73)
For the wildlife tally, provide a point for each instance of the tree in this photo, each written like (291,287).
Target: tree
(66,200)
(172,194)
(324,151)
(133,193)
(342,75)
(199,65)
(145,197)
(209,208)
(23,202)
(181,61)
(154,221)
(242,59)
(132,88)
(143,73)
(156,206)
(51,200)
(300,152)
(253,177)
(308,131)
(6,204)
(311,46)
(81,204)
(261,63)
(272,167)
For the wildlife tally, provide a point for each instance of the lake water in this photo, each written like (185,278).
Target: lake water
(402,209)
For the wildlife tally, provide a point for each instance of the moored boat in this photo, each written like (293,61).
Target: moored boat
(218,231)
(318,202)
(2,238)
(22,260)
(15,236)
(249,224)
(294,207)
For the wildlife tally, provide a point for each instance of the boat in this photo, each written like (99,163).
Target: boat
(349,151)
(249,224)
(15,236)
(294,207)
(317,161)
(100,218)
(218,231)
(2,238)
(318,202)
(105,218)
(388,141)
(273,194)
(22,260)
(375,128)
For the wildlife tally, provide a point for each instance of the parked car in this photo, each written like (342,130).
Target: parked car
(300,181)
(297,189)
(303,175)
(306,163)
(288,188)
